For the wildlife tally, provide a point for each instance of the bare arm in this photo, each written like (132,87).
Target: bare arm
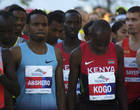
(16,52)
(59,82)
(121,91)
(138,58)
(9,79)
(75,61)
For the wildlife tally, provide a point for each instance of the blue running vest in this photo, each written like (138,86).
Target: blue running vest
(36,101)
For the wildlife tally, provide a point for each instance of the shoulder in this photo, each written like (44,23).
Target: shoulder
(58,54)
(58,45)
(5,51)
(76,56)
(76,51)
(138,52)
(57,51)
(16,52)
(6,55)
(138,58)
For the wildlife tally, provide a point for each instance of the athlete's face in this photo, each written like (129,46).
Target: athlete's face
(20,21)
(72,24)
(122,33)
(55,31)
(7,30)
(133,23)
(99,40)
(38,27)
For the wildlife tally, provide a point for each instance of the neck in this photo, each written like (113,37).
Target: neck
(53,43)
(134,42)
(18,34)
(71,42)
(69,45)
(135,37)
(95,50)
(37,47)
(36,44)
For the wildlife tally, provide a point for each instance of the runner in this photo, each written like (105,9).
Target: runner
(99,64)
(56,26)
(39,68)
(9,85)
(72,25)
(130,46)
(20,14)
(7,29)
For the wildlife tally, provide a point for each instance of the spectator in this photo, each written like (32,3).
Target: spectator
(119,31)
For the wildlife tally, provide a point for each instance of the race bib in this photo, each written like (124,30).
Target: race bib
(38,79)
(101,86)
(66,80)
(131,70)
(130,62)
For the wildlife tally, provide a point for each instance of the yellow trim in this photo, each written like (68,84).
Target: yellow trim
(16,41)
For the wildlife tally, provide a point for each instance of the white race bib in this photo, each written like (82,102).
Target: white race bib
(66,78)
(38,79)
(131,70)
(66,81)
(101,86)
(130,62)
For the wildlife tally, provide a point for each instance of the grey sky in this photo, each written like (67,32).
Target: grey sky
(68,4)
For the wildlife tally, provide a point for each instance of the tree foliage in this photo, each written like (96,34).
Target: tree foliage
(25,2)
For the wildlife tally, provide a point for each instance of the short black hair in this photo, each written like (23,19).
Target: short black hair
(7,15)
(74,11)
(117,25)
(36,11)
(101,25)
(86,26)
(57,15)
(134,9)
(15,7)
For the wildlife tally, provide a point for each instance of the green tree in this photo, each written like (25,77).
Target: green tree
(25,2)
